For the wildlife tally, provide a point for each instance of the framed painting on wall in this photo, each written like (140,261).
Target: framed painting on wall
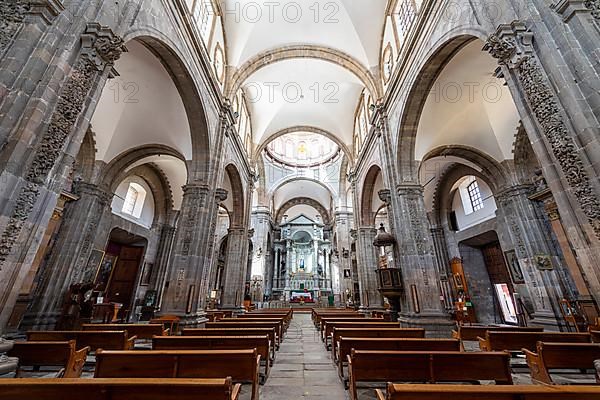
(146,274)
(514,268)
(93,265)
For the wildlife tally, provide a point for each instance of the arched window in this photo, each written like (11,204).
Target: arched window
(134,200)
(475,196)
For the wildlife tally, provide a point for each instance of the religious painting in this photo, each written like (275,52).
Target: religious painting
(458,282)
(347,274)
(92,266)
(146,274)
(105,270)
(514,267)
(543,263)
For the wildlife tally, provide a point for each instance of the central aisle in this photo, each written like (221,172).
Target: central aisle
(303,368)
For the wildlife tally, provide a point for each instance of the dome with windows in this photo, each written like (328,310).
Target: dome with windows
(302,149)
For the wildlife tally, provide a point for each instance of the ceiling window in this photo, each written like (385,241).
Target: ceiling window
(134,200)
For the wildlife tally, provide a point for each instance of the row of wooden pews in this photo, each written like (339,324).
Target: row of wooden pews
(371,351)
(212,361)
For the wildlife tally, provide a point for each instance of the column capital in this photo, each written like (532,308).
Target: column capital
(569,8)
(195,189)
(100,46)
(221,195)
(506,194)
(85,188)
(410,189)
(511,44)
(594,6)
(385,195)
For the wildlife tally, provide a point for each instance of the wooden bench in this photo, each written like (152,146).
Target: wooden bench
(141,331)
(550,356)
(108,340)
(516,341)
(595,336)
(62,354)
(260,343)
(240,365)
(170,322)
(280,323)
(235,332)
(119,389)
(320,317)
(406,333)
(365,324)
(327,324)
(346,345)
(427,367)
(249,324)
(472,333)
(252,316)
(487,392)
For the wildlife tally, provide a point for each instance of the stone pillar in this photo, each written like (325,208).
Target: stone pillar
(566,165)
(190,255)
(235,268)
(165,244)
(85,228)
(342,228)
(421,305)
(367,264)
(37,162)
(522,228)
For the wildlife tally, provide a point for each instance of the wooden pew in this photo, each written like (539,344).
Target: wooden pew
(141,331)
(249,324)
(240,365)
(319,317)
(346,345)
(235,332)
(260,343)
(487,392)
(427,367)
(550,356)
(325,326)
(595,336)
(108,340)
(51,354)
(516,341)
(253,315)
(472,333)
(407,333)
(119,389)
(280,320)
(365,324)
(170,322)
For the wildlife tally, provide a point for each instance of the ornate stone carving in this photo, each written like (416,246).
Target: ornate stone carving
(98,43)
(12,14)
(512,45)
(594,5)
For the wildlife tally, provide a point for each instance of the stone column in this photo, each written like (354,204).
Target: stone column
(235,268)
(36,168)
(565,164)
(342,227)
(85,227)
(367,264)
(522,228)
(421,305)
(165,244)
(190,254)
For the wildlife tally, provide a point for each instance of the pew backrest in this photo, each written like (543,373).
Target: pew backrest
(51,354)
(487,392)
(108,340)
(427,367)
(270,332)
(471,333)
(119,389)
(398,333)
(549,356)
(516,341)
(248,324)
(141,331)
(240,365)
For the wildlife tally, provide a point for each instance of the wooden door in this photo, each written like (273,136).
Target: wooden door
(124,275)
(494,261)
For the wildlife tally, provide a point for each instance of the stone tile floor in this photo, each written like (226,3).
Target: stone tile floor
(303,368)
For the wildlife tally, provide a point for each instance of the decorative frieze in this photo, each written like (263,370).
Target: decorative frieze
(512,45)
(12,15)
(100,49)
(594,5)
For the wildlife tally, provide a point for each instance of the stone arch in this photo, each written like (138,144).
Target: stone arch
(337,57)
(367,215)
(158,183)
(237,196)
(491,169)
(303,200)
(122,161)
(294,178)
(173,59)
(309,129)
(428,72)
